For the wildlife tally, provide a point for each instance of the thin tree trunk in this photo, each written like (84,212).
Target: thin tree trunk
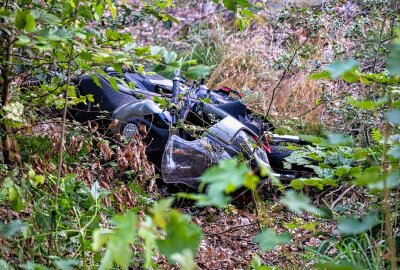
(5,99)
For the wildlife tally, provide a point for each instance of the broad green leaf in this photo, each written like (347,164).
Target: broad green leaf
(340,69)
(67,264)
(118,240)
(160,211)
(392,181)
(369,176)
(367,104)
(394,152)
(339,139)
(298,202)
(169,57)
(181,235)
(394,57)
(23,40)
(185,260)
(24,20)
(5,266)
(319,75)
(198,72)
(227,177)
(350,225)
(11,228)
(393,116)
(269,239)
(319,183)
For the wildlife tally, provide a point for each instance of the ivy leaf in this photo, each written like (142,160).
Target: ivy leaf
(181,235)
(297,202)
(350,225)
(269,239)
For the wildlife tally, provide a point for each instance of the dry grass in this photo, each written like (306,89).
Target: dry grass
(250,62)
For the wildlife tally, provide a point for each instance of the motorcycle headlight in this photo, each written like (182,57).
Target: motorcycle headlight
(248,146)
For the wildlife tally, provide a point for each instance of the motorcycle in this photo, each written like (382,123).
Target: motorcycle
(187,128)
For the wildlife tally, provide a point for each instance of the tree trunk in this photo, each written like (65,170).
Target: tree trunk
(5,99)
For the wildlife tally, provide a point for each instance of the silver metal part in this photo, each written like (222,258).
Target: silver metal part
(136,109)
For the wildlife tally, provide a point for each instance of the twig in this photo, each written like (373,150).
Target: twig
(284,74)
(231,228)
(60,156)
(342,195)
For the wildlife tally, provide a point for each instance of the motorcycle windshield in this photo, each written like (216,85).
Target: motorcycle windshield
(185,161)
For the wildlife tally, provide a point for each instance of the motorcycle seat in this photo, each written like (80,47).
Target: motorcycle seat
(152,83)
(105,96)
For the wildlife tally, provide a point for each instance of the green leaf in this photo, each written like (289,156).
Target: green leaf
(96,80)
(24,20)
(369,176)
(23,40)
(181,235)
(169,57)
(113,83)
(351,226)
(198,72)
(118,240)
(230,4)
(319,75)
(185,260)
(67,264)
(394,152)
(338,266)
(160,210)
(342,69)
(392,181)
(95,190)
(339,139)
(394,57)
(393,116)
(268,239)
(9,229)
(297,202)
(3,264)
(319,183)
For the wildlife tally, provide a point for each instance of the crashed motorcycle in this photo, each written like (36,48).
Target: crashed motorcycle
(187,128)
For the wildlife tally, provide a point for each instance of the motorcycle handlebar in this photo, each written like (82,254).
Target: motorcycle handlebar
(175,85)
